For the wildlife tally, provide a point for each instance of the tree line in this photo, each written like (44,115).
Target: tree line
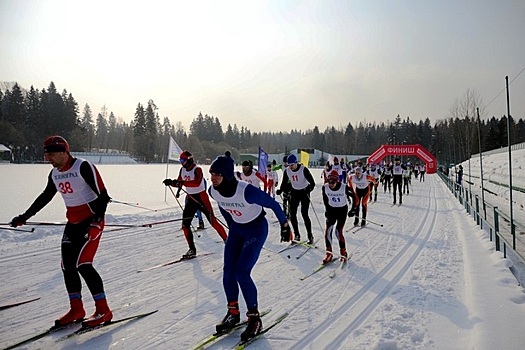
(27,117)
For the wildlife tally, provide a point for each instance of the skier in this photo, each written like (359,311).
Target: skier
(422,171)
(272,180)
(242,205)
(327,169)
(397,178)
(375,173)
(336,196)
(299,179)
(386,176)
(191,177)
(360,184)
(251,175)
(86,200)
(407,179)
(286,190)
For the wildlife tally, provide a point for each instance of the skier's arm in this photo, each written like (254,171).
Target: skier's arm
(41,201)
(254,195)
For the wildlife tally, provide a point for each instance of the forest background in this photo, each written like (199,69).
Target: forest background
(27,117)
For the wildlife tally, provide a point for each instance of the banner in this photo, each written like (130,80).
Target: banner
(263,161)
(174,150)
(305,158)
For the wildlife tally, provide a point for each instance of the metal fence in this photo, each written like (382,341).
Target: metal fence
(504,232)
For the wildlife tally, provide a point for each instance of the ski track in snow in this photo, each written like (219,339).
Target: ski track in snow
(403,285)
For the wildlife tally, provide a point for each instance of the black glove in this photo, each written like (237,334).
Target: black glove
(167,182)
(352,212)
(18,220)
(286,232)
(176,183)
(309,188)
(278,192)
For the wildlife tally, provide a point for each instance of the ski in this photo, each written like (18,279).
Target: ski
(171,262)
(7,306)
(83,329)
(308,247)
(290,246)
(319,268)
(342,265)
(42,334)
(243,344)
(212,339)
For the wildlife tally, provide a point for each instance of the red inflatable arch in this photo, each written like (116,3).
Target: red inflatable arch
(405,150)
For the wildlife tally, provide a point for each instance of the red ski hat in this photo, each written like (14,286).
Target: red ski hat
(56,143)
(333,175)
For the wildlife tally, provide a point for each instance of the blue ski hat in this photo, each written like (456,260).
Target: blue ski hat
(292,159)
(223,165)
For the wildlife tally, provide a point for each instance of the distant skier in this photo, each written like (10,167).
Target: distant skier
(459,178)
(191,177)
(251,175)
(336,197)
(360,183)
(397,178)
(272,180)
(298,179)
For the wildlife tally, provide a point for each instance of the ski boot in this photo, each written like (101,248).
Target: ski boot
(190,254)
(102,313)
(329,256)
(230,320)
(297,237)
(344,255)
(363,222)
(254,325)
(356,221)
(74,315)
(201,225)
(310,238)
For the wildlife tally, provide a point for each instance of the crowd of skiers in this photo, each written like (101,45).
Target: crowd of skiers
(347,189)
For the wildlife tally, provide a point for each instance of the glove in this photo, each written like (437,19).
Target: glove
(309,188)
(351,212)
(18,220)
(286,232)
(176,183)
(167,182)
(278,192)
(95,229)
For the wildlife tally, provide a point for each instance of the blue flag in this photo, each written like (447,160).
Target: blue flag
(263,161)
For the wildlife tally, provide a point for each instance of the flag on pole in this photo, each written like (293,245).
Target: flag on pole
(305,158)
(263,161)
(174,150)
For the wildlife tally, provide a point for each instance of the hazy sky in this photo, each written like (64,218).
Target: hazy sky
(270,65)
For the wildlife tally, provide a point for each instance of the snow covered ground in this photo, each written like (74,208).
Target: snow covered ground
(429,278)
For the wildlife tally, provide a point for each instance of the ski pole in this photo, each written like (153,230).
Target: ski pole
(315,213)
(135,205)
(181,208)
(375,223)
(203,209)
(17,229)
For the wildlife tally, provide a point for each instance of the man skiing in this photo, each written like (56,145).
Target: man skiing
(397,178)
(251,175)
(191,177)
(336,196)
(360,184)
(300,181)
(86,200)
(242,205)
